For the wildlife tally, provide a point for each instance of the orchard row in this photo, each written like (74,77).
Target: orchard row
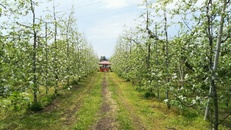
(180,52)
(38,55)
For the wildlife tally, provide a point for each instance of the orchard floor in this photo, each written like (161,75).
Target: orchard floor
(103,101)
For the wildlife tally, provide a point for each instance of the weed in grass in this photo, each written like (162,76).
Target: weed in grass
(38,120)
(124,121)
(47,100)
(35,107)
(149,95)
(74,82)
(138,88)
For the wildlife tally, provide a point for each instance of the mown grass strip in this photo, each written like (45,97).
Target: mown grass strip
(154,114)
(60,115)
(86,116)
(124,115)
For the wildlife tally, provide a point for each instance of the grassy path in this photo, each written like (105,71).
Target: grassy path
(136,112)
(127,115)
(108,110)
(70,110)
(102,102)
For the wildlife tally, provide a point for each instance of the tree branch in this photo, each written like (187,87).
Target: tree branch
(227,1)
(150,33)
(3,6)
(23,25)
(132,40)
(7,8)
(224,118)
(191,105)
(186,24)
(225,39)
(227,35)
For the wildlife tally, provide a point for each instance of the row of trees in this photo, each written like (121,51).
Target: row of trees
(174,52)
(39,53)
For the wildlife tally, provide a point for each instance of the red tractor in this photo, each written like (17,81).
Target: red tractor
(104,66)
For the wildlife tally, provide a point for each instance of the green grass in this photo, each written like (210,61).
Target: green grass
(152,113)
(122,117)
(79,109)
(61,115)
(87,114)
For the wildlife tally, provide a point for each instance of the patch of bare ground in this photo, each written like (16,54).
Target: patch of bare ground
(108,110)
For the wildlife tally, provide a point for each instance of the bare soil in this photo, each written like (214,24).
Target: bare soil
(108,110)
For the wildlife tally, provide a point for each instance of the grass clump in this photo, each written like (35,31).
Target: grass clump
(149,94)
(35,107)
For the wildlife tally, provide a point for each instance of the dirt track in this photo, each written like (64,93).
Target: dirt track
(102,101)
(108,110)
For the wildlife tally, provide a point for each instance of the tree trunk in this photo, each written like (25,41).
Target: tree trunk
(210,38)
(157,63)
(68,49)
(166,57)
(56,49)
(215,66)
(35,88)
(68,60)
(46,84)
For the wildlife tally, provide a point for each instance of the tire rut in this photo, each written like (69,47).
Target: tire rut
(107,111)
(137,122)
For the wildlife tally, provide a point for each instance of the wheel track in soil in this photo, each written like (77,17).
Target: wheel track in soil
(107,111)
(109,108)
(136,120)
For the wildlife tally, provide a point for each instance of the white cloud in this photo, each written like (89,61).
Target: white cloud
(115,4)
(101,20)
(105,30)
(103,35)
(175,4)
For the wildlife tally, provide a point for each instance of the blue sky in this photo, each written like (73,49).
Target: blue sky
(101,21)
